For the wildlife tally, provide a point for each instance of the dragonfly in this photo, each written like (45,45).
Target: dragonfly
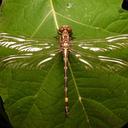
(90,52)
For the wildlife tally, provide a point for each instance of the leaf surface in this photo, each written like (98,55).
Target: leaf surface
(98,96)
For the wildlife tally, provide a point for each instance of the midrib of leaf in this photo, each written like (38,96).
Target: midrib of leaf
(54,14)
(79,96)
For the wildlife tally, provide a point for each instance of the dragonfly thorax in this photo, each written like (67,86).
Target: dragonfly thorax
(65,45)
(65,36)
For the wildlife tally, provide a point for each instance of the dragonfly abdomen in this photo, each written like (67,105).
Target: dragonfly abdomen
(64,40)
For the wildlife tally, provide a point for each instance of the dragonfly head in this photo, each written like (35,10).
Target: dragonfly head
(65,28)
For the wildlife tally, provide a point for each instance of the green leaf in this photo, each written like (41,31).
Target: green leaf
(32,85)
(41,18)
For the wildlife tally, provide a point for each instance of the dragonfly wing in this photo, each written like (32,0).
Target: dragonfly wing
(109,53)
(102,45)
(27,60)
(23,44)
(31,53)
(92,61)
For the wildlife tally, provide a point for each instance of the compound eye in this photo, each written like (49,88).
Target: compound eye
(61,29)
(69,29)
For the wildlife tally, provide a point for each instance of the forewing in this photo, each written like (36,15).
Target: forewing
(109,53)
(30,53)
(23,44)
